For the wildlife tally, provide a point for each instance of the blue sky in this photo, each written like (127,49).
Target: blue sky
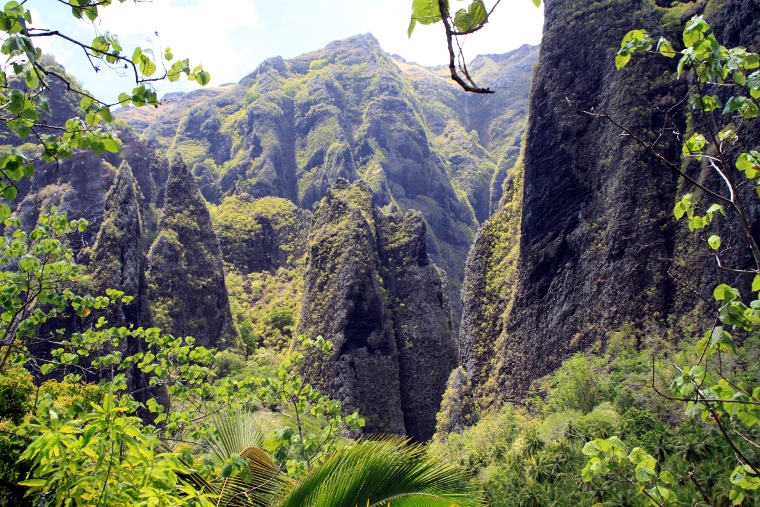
(231,37)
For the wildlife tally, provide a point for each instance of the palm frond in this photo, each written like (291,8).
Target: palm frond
(264,484)
(381,473)
(237,430)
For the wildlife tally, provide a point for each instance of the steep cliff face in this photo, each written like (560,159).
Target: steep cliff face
(117,259)
(291,128)
(187,292)
(371,288)
(79,186)
(598,247)
(421,318)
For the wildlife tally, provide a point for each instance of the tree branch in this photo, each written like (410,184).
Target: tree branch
(450,34)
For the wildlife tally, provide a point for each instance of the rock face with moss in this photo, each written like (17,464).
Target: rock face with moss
(187,292)
(261,234)
(292,127)
(371,288)
(587,242)
(79,186)
(421,318)
(118,257)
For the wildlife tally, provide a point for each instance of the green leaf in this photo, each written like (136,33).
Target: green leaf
(715,208)
(749,164)
(694,145)
(747,419)
(5,212)
(426,12)
(100,44)
(746,107)
(665,49)
(621,60)
(105,113)
(710,103)
(753,81)
(32,80)
(686,389)
(147,66)
(33,483)
(97,147)
(388,471)
(714,242)
(463,21)
(17,102)
(694,31)
(638,455)
(10,192)
(751,61)
(412,24)
(644,473)
(756,284)
(667,477)
(202,77)
(111,145)
(478,11)
(725,292)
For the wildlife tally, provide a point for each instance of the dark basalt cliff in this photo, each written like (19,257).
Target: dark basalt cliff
(121,208)
(586,243)
(372,290)
(187,293)
(117,259)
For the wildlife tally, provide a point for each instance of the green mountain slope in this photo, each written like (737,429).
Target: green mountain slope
(292,127)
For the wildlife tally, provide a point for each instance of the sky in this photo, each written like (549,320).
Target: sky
(232,37)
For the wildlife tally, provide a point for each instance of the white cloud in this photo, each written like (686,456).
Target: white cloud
(232,37)
(49,45)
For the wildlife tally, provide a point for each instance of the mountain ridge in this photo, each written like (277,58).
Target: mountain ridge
(293,126)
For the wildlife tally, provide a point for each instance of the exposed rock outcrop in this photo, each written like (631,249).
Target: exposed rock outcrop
(371,288)
(588,244)
(421,318)
(118,257)
(118,261)
(185,273)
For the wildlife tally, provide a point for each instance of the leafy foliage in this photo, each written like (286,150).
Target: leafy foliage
(122,460)
(383,472)
(297,447)
(26,76)
(85,447)
(535,455)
